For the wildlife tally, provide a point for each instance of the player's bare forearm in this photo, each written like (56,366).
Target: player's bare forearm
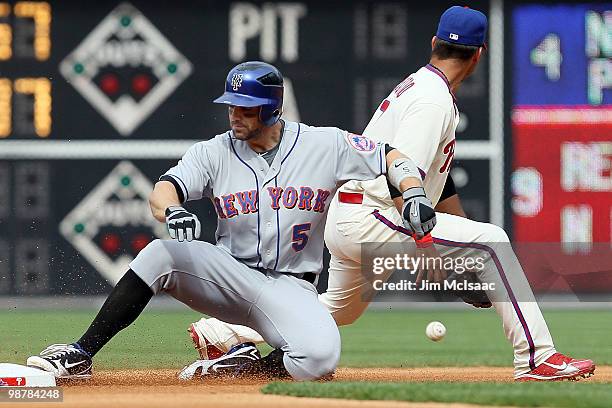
(163,196)
(399,204)
(451,205)
(407,182)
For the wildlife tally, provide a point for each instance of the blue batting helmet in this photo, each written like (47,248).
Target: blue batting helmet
(255,83)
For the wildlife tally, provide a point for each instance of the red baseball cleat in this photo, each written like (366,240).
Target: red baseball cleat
(559,367)
(206,350)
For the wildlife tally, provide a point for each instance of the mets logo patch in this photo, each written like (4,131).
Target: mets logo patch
(361,143)
(236,81)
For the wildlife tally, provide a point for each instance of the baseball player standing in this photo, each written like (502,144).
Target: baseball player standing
(271,182)
(419,117)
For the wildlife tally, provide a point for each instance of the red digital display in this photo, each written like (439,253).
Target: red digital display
(562,198)
(562,182)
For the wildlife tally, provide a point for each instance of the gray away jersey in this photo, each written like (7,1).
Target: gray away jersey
(273,217)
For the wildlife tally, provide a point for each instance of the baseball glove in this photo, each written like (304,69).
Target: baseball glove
(476,298)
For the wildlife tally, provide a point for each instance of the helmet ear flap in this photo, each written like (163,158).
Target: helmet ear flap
(277,114)
(269,115)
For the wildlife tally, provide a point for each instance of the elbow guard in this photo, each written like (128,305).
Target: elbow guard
(400,169)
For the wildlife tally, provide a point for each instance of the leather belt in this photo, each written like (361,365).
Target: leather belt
(309,277)
(350,198)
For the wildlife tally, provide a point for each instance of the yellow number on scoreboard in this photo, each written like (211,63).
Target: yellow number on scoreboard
(6,34)
(40,12)
(5,107)
(41,89)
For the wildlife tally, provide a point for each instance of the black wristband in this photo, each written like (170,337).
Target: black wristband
(388,149)
(394,192)
(179,191)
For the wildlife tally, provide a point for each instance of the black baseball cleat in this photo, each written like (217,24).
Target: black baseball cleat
(271,367)
(223,366)
(67,361)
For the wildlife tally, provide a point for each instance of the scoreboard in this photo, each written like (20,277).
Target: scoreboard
(562,55)
(562,144)
(25,102)
(98,99)
(147,70)
(562,123)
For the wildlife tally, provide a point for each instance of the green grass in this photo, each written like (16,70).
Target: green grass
(389,338)
(155,340)
(392,338)
(587,395)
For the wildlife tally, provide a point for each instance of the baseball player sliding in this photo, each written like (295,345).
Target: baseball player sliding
(271,182)
(419,117)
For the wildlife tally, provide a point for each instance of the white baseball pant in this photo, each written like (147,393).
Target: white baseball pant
(350,225)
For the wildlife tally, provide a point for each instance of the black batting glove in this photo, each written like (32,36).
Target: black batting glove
(182,225)
(418,212)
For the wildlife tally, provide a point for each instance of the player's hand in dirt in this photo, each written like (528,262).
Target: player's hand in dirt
(418,212)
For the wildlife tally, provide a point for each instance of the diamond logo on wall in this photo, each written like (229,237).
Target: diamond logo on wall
(114,222)
(125,68)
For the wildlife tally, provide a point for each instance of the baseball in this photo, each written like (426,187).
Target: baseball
(435,331)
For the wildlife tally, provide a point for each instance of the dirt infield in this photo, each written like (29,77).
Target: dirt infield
(152,388)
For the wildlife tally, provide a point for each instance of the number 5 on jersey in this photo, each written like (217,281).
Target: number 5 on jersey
(300,238)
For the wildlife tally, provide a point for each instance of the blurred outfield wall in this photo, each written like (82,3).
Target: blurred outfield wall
(95,104)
